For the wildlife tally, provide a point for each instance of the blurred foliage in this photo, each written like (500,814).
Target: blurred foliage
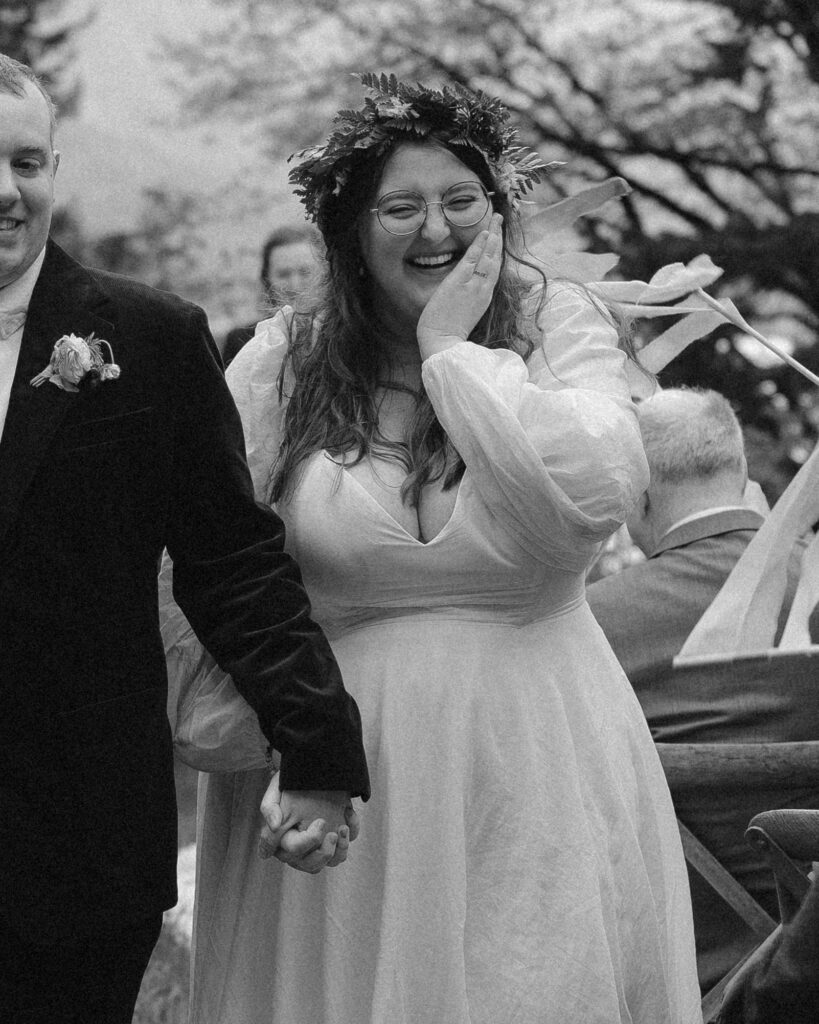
(617,553)
(40,33)
(164,250)
(164,995)
(179,244)
(707,107)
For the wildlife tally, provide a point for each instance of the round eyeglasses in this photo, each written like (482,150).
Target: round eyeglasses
(463,205)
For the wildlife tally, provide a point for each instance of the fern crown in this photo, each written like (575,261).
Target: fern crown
(397,112)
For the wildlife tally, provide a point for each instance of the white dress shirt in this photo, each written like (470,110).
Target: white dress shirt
(16,295)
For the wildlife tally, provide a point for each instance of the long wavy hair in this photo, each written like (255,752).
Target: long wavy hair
(336,363)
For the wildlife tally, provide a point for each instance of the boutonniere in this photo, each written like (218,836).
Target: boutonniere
(78,364)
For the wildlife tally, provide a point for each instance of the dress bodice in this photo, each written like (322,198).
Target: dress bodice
(473,569)
(553,461)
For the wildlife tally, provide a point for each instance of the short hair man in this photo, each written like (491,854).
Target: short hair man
(97,475)
(693,523)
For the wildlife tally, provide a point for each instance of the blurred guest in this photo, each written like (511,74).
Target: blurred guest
(288,260)
(693,522)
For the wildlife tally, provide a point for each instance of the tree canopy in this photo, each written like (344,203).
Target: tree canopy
(706,107)
(39,33)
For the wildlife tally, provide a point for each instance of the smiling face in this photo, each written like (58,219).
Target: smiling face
(27,167)
(406,269)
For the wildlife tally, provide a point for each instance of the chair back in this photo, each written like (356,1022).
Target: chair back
(777,983)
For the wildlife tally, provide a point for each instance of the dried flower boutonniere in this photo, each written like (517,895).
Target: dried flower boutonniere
(78,364)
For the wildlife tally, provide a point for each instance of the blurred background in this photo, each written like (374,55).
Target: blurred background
(177,120)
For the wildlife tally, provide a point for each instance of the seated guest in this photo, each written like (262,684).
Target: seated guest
(693,523)
(287,263)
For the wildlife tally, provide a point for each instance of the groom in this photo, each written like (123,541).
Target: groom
(129,444)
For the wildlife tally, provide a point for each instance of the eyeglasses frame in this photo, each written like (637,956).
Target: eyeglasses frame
(427,205)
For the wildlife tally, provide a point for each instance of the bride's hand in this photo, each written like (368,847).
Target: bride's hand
(307,830)
(462,298)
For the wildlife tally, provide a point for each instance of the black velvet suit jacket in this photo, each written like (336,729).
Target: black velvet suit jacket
(93,486)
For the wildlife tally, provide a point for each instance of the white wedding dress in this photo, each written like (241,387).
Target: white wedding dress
(519,860)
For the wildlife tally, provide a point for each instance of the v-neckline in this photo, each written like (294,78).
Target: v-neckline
(391,519)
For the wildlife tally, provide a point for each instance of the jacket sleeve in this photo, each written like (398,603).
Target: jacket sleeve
(242,593)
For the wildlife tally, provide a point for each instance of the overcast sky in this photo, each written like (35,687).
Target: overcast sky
(118,54)
(124,137)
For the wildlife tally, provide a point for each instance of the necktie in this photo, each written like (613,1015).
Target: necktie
(10,321)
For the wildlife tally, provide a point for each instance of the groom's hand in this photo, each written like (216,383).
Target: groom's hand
(309,830)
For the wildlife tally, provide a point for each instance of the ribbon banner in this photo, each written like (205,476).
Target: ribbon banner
(677,289)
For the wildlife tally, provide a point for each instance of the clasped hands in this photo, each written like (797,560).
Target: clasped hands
(309,830)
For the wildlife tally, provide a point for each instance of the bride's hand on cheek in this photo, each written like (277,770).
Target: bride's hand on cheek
(462,298)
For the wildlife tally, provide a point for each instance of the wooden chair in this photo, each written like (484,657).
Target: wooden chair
(700,772)
(736,736)
(782,970)
(786,837)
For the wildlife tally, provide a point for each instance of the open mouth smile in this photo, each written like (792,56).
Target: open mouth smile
(438,261)
(9,223)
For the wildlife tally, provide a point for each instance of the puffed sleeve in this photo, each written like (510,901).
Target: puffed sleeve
(552,444)
(253,379)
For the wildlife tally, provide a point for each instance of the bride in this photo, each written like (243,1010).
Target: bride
(448,446)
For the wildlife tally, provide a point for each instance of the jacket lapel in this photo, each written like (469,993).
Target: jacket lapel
(66,300)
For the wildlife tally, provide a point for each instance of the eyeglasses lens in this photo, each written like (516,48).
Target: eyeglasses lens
(463,205)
